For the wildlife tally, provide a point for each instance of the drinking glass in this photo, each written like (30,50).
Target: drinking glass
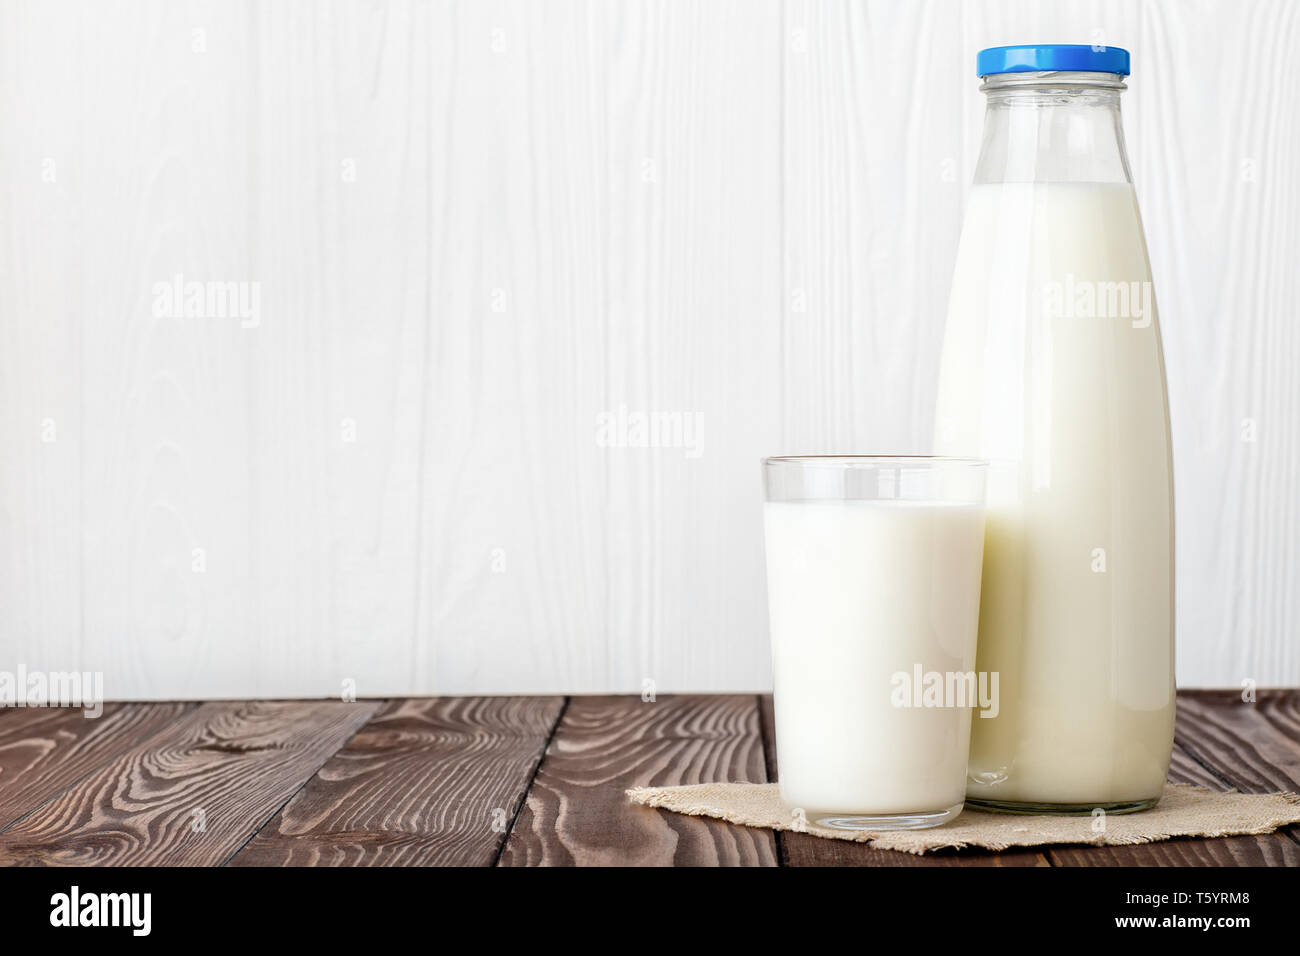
(873,581)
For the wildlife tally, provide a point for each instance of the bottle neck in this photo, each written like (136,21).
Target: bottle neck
(1053,127)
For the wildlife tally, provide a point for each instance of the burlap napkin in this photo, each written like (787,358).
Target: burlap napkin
(1183,810)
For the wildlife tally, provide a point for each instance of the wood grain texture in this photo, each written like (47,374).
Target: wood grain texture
(803,849)
(45,750)
(425,782)
(441,782)
(1252,745)
(190,795)
(1266,850)
(577,814)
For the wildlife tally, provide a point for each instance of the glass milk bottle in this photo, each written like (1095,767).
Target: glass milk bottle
(1052,370)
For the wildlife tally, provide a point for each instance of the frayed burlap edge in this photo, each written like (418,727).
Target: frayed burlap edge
(1183,811)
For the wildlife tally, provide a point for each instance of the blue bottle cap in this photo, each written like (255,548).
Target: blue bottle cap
(1051,57)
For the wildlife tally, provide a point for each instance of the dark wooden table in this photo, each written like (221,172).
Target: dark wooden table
(500,781)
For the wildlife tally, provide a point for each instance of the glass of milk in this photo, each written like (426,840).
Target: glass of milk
(873,580)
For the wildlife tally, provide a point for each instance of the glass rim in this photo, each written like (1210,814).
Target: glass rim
(849,461)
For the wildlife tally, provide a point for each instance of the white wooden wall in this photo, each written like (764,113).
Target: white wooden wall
(479,227)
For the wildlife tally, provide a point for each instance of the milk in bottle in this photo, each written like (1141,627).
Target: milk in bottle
(1052,369)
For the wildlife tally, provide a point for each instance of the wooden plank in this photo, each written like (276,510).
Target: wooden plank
(802,849)
(1231,383)
(692,325)
(576,812)
(433,781)
(1220,742)
(1253,746)
(339,214)
(192,794)
(872,201)
(43,307)
(167,562)
(1270,849)
(514,551)
(43,750)
(606,245)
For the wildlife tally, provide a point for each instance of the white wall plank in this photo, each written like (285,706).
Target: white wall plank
(162,178)
(513,493)
(340,240)
(1216,152)
(41,393)
(694,273)
(873,189)
(600,171)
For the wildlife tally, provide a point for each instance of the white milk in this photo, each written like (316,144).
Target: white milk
(858,591)
(1067,401)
